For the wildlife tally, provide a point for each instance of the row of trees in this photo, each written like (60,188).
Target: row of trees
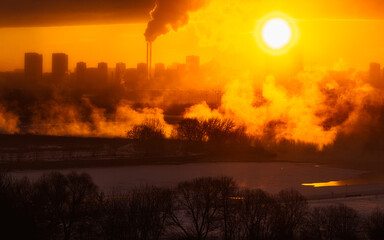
(59,206)
(195,136)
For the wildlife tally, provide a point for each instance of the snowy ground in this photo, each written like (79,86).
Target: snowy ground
(363,204)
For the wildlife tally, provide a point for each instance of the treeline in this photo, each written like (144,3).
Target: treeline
(213,136)
(58,206)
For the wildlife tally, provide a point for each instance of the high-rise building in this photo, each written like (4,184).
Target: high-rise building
(59,65)
(33,66)
(142,71)
(375,75)
(81,69)
(103,70)
(120,72)
(159,70)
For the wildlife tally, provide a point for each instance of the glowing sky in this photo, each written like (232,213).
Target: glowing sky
(329,31)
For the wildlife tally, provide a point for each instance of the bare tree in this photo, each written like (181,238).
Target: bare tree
(148,136)
(114,221)
(63,200)
(229,200)
(150,129)
(140,214)
(255,214)
(17,214)
(192,135)
(218,130)
(191,129)
(197,207)
(332,222)
(375,225)
(150,207)
(289,212)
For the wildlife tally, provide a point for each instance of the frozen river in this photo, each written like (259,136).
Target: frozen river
(271,177)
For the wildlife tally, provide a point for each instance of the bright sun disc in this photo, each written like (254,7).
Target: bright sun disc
(276,33)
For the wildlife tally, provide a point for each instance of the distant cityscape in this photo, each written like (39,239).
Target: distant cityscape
(33,70)
(24,91)
(142,86)
(122,82)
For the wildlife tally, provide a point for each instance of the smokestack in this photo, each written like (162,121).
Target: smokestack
(147,60)
(150,61)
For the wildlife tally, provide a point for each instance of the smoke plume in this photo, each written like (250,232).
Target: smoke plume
(170,14)
(8,122)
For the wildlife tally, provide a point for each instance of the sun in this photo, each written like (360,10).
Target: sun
(276,33)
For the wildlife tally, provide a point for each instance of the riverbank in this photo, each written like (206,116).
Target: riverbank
(35,152)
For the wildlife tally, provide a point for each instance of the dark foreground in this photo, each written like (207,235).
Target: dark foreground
(58,206)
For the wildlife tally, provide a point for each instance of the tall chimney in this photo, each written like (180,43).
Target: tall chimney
(147,60)
(150,60)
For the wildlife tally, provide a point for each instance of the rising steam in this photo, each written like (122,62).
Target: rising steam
(315,113)
(8,122)
(170,14)
(61,119)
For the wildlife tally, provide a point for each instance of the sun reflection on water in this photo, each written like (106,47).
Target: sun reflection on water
(323,184)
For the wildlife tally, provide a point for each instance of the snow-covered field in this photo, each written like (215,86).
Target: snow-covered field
(363,204)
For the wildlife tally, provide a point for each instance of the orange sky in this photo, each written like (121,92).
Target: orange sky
(223,33)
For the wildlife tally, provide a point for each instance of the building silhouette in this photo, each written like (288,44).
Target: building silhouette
(103,71)
(81,71)
(33,66)
(59,65)
(142,71)
(159,70)
(120,73)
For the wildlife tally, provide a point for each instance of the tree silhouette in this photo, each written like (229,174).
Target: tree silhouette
(288,214)
(141,214)
(148,137)
(375,224)
(255,214)
(332,222)
(198,204)
(63,200)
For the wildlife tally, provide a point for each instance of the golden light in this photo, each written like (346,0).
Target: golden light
(323,184)
(276,33)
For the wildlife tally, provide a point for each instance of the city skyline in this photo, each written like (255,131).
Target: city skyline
(206,35)
(59,65)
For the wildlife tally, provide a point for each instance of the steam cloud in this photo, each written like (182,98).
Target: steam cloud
(170,14)
(8,122)
(61,119)
(317,108)
(317,112)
